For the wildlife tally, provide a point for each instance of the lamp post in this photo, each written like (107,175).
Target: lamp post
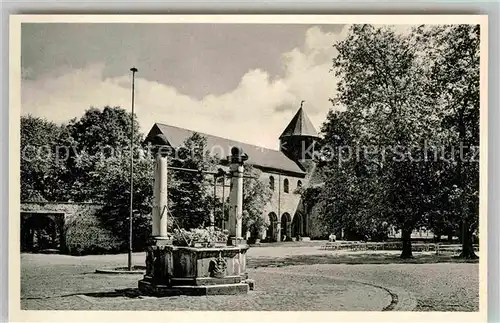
(133,70)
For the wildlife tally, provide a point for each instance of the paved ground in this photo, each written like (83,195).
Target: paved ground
(65,282)
(435,287)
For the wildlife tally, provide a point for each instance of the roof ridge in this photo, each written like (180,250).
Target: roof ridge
(225,138)
(258,155)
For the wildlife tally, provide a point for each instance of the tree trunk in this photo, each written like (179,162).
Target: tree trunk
(467,244)
(467,247)
(406,237)
(437,237)
(450,235)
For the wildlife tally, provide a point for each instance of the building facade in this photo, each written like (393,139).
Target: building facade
(286,170)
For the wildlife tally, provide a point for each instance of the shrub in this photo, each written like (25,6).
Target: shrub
(255,225)
(86,235)
(183,237)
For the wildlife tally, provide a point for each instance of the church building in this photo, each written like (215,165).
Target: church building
(286,170)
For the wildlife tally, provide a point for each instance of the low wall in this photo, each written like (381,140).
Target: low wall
(70,209)
(63,227)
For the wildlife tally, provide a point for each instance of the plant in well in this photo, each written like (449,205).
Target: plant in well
(206,236)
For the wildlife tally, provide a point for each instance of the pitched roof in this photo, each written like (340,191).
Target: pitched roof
(257,156)
(300,126)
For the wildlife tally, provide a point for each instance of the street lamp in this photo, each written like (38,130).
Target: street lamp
(133,70)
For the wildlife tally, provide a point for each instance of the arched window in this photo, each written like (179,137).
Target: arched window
(271,183)
(299,184)
(285,185)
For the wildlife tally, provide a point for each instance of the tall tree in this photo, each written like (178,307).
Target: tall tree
(256,194)
(42,160)
(350,195)
(98,134)
(454,54)
(190,191)
(111,177)
(99,129)
(382,89)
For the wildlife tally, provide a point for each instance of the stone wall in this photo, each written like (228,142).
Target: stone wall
(281,201)
(284,205)
(69,209)
(44,225)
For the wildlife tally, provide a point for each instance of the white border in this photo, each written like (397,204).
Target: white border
(128,316)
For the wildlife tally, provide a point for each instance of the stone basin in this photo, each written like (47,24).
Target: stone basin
(176,270)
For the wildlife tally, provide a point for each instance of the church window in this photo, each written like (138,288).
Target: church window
(285,185)
(299,184)
(271,183)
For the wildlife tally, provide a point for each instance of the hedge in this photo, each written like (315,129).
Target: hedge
(85,234)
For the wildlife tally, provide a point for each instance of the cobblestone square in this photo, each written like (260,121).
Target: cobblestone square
(57,282)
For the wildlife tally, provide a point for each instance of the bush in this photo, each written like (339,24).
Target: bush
(86,235)
(184,237)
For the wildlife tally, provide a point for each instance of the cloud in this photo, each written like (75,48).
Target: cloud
(256,111)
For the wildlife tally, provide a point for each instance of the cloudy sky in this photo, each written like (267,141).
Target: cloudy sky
(243,82)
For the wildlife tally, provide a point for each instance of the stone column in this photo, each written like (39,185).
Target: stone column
(236,201)
(236,196)
(160,201)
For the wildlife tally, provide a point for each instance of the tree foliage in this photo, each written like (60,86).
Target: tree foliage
(256,194)
(386,110)
(192,201)
(401,102)
(97,135)
(42,167)
(454,53)
(111,177)
(99,129)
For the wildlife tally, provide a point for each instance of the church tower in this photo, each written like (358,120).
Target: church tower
(299,138)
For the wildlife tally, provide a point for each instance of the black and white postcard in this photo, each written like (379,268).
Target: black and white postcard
(308,168)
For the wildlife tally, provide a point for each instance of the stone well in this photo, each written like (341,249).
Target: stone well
(172,270)
(178,270)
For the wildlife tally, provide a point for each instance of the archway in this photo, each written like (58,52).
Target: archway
(304,225)
(42,231)
(298,225)
(286,227)
(271,233)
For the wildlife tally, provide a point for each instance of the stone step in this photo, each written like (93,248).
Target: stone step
(204,281)
(149,288)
